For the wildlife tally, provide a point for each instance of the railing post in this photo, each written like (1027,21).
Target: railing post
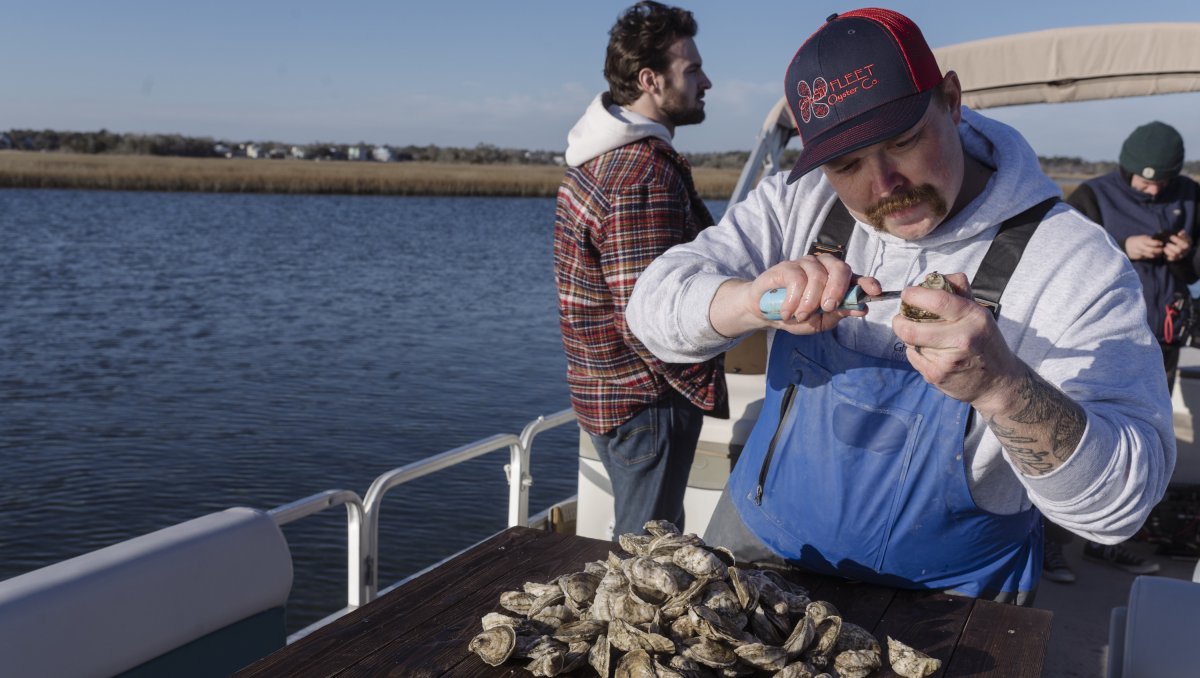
(519,476)
(287,513)
(519,481)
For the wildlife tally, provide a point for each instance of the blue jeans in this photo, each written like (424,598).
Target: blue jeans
(648,459)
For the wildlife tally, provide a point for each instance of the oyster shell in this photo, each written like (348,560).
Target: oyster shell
(636,664)
(549,664)
(658,528)
(797,670)
(856,663)
(745,586)
(760,656)
(801,637)
(709,652)
(699,562)
(910,663)
(627,637)
(495,645)
(583,630)
(517,601)
(497,619)
(580,587)
(601,656)
(933,281)
(634,544)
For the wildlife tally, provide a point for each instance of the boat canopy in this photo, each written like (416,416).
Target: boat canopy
(1076,64)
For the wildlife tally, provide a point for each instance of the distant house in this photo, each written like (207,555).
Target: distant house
(357,153)
(5,141)
(560,160)
(298,153)
(382,154)
(255,151)
(222,151)
(277,153)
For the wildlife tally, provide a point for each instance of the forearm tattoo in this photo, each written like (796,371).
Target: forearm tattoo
(1044,432)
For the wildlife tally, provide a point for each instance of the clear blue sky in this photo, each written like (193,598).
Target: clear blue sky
(514,74)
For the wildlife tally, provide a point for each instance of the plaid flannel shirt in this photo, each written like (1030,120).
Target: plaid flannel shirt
(615,214)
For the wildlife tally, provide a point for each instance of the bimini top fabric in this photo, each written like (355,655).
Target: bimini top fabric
(1076,64)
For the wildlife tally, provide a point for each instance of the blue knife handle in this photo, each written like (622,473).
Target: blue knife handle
(772,299)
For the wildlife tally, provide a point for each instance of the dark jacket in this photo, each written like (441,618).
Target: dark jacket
(1110,201)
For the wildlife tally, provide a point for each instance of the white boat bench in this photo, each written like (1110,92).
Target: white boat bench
(1155,635)
(201,598)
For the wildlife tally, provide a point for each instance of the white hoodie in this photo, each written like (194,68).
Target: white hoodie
(1073,311)
(605,126)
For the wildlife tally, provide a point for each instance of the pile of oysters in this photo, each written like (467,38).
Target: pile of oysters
(678,607)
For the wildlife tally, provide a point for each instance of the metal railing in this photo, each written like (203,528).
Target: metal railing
(282,515)
(363,515)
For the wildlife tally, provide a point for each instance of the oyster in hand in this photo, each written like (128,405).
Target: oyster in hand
(933,281)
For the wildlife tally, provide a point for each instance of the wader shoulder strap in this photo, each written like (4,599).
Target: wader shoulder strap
(835,232)
(1002,257)
(995,269)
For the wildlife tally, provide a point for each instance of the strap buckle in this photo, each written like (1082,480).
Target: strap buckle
(819,248)
(993,306)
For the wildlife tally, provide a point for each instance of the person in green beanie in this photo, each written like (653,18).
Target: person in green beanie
(1150,209)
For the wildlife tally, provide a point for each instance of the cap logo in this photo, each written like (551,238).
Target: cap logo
(1147,173)
(810,99)
(815,101)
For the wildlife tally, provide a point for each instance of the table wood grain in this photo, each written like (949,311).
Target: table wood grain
(423,627)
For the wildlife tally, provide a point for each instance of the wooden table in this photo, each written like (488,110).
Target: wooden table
(423,627)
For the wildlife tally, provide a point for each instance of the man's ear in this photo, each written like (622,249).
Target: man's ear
(649,81)
(952,95)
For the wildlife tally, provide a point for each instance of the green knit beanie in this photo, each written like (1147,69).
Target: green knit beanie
(1154,151)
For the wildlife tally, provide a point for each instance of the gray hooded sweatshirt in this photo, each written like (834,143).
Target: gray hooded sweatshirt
(1073,311)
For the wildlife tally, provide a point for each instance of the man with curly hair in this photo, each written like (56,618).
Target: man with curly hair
(627,197)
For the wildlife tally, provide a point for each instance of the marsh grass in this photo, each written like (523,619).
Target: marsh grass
(27,169)
(24,169)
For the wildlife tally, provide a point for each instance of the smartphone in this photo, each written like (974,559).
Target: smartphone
(1164,237)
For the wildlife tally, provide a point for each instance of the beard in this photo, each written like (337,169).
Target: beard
(925,193)
(682,112)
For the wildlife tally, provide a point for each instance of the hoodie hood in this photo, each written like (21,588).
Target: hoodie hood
(606,126)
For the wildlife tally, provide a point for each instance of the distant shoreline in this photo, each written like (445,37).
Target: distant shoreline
(26,169)
(30,169)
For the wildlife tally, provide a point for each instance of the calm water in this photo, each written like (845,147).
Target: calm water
(163,356)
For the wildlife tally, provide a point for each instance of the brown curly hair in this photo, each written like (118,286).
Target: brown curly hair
(640,39)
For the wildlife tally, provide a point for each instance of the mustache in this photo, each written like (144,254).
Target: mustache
(925,193)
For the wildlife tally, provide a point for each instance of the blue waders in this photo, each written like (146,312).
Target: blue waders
(855,468)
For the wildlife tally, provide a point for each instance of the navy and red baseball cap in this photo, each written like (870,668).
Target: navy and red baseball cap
(863,77)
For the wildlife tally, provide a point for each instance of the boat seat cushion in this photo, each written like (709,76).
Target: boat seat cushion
(117,608)
(1155,635)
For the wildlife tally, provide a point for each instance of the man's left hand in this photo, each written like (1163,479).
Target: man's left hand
(1177,247)
(963,355)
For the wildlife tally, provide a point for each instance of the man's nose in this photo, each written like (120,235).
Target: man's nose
(885,179)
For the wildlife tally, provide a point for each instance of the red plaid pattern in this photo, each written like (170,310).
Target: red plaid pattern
(616,214)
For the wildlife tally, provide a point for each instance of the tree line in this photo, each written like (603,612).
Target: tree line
(105,141)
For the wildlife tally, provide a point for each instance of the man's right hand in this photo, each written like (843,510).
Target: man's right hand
(816,286)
